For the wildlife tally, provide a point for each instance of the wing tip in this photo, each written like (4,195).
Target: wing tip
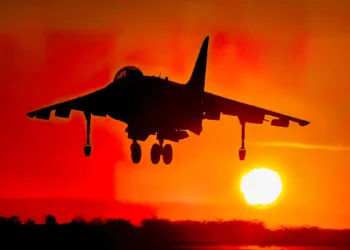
(304,123)
(31,114)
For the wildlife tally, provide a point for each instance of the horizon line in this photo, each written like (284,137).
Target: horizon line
(300,145)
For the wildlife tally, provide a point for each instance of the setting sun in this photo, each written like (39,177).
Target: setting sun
(261,186)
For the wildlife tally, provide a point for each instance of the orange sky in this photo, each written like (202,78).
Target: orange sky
(290,56)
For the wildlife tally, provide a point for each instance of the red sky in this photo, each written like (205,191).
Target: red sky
(288,56)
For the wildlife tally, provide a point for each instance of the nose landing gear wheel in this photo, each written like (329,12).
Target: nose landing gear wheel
(242,152)
(156,151)
(87,150)
(167,154)
(136,152)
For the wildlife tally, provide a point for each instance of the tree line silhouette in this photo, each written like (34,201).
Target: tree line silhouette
(159,233)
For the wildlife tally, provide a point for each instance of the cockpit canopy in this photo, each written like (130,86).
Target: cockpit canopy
(128,71)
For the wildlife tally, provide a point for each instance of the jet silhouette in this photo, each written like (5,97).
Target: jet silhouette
(152,105)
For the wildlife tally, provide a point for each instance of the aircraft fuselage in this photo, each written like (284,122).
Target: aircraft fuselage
(154,104)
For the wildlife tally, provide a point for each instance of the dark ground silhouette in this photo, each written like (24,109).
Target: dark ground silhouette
(157,234)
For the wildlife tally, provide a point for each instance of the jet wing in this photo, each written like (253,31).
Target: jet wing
(216,105)
(92,103)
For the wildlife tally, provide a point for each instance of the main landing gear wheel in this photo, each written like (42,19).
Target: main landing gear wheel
(156,152)
(242,151)
(87,147)
(167,154)
(136,152)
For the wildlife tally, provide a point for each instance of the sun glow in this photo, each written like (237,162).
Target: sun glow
(261,186)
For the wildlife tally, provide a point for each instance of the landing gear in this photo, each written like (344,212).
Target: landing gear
(136,152)
(242,151)
(88,147)
(158,150)
(167,154)
(87,150)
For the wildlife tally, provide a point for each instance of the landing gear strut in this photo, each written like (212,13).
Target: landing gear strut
(242,151)
(88,147)
(158,150)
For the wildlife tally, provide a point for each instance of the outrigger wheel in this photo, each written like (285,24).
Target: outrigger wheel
(242,151)
(88,147)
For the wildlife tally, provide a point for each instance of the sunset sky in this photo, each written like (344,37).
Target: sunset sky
(288,56)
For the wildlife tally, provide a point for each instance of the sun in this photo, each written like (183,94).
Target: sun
(261,186)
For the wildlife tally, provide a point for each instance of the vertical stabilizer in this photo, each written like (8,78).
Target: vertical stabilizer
(197,80)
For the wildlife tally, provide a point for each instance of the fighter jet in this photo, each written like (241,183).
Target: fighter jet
(151,105)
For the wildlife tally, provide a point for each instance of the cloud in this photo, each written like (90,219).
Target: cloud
(300,146)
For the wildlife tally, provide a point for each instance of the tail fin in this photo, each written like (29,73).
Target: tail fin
(197,80)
